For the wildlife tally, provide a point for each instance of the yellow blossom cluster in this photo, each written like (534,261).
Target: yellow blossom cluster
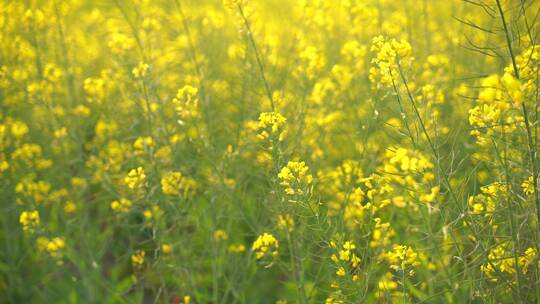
(493,115)
(122,205)
(176,184)
(186,103)
(284,151)
(501,261)
(270,126)
(135,178)
(266,245)
(29,220)
(391,56)
(402,258)
(137,259)
(52,246)
(295,178)
(346,255)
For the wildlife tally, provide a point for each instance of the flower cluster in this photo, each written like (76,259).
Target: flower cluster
(402,258)
(345,258)
(391,56)
(137,259)
(528,186)
(29,220)
(295,178)
(122,205)
(136,178)
(501,261)
(143,145)
(346,128)
(494,113)
(140,70)
(286,222)
(54,247)
(265,245)
(176,184)
(270,126)
(186,103)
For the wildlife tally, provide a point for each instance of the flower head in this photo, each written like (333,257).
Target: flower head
(265,245)
(176,184)
(295,178)
(29,220)
(135,178)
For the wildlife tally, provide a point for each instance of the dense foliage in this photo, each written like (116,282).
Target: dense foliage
(316,151)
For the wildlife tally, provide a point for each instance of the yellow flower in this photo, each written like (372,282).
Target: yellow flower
(336,297)
(186,103)
(143,144)
(500,260)
(40,191)
(19,129)
(52,73)
(236,248)
(402,257)
(270,126)
(355,260)
(295,178)
(120,43)
(528,186)
(70,207)
(137,259)
(220,235)
(135,178)
(82,110)
(388,52)
(429,198)
(55,245)
(345,259)
(4,165)
(60,133)
(527,259)
(386,283)
(344,255)
(266,244)
(286,221)
(176,184)
(140,70)
(166,248)
(29,220)
(147,214)
(349,245)
(153,213)
(121,205)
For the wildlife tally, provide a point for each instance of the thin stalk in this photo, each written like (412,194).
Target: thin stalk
(445,180)
(403,115)
(65,58)
(257,56)
(465,215)
(510,216)
(297,268)
(194,58)
(532,148)
(133,30)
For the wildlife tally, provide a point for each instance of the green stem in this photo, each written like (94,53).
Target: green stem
(257,56)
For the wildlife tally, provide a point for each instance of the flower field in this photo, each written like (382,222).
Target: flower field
(306,151)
